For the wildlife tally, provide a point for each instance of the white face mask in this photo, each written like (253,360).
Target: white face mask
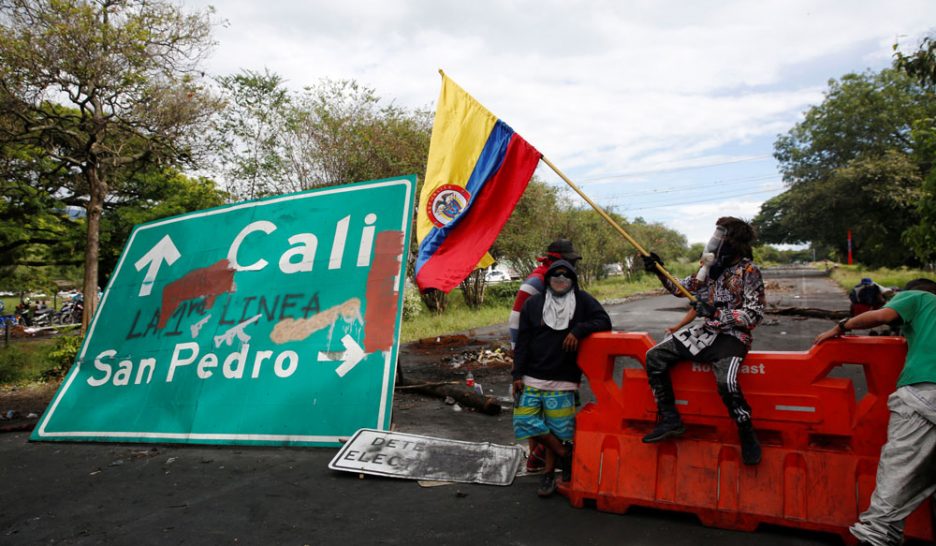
(559,305)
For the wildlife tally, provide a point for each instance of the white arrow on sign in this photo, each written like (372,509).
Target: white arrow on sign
(164,250)
(352,354)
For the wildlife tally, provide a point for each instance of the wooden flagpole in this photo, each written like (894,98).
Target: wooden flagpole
(619,229)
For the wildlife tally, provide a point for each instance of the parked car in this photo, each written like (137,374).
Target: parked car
(495,276)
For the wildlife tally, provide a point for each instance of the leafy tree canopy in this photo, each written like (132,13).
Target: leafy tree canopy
(335,132)
(850,165)
(127,71)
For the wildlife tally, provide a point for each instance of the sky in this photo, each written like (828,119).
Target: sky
(662,110)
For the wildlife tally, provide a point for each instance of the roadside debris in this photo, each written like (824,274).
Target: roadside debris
(460,393)
(411,456)
(483,358)
(808,312)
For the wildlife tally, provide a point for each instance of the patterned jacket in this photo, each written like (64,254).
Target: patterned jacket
(738,296)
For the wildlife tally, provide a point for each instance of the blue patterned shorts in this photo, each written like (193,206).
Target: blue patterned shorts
(540,412)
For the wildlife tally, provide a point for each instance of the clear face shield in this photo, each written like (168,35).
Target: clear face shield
(712,249)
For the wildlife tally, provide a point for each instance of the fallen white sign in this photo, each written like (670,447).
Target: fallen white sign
(416,457)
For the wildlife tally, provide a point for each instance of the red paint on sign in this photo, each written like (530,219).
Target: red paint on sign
(380,316)
(207,282)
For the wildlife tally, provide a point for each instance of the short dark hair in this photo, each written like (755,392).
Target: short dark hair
(739,234)
(923,284)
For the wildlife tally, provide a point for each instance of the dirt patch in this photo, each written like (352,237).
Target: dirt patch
(21,406)
(457,340)
(776,286)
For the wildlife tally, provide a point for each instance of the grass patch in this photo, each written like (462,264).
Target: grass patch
(847,276)
(9,304)
(456,318)
(24,361)
(30,360)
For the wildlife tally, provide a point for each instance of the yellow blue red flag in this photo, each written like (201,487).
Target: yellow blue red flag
(477,170)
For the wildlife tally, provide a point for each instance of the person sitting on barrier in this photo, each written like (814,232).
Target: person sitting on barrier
(906,473)
(560,249)
(546,375)
(730,297)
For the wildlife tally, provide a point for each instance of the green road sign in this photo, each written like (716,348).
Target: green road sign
(267,322)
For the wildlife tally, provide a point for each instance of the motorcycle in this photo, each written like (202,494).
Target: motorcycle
(71,312)
(41,316)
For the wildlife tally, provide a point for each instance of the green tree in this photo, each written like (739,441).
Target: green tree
(149,195)
(849,165)
(335,132)
(35,227)
(655,237)
(251,132)
(530,228)
(128,69)
(921,238)
(921,66)
(594,239)
(340,132)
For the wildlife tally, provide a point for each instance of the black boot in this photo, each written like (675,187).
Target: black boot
(668,425)
(750,447)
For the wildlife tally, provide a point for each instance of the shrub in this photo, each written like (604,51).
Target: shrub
(501,293)
(61,357)
(13,362)
(412,303)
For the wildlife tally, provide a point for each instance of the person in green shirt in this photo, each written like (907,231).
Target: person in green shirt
(906,473)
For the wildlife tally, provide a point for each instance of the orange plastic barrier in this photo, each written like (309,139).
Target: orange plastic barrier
(820,447)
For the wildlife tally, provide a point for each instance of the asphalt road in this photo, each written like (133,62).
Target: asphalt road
(54,493)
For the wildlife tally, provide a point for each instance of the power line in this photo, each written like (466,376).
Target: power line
(694,201)
(701,186)
(675,169)
(707,189)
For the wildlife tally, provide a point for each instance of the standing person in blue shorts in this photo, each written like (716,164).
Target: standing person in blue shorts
(560,249)
(546,373)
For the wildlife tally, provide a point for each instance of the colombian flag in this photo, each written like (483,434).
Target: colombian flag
(477,170)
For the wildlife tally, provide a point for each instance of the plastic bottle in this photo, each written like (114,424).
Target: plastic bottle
(469,379)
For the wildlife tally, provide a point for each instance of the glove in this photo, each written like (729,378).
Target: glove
(651,261)
(703,309)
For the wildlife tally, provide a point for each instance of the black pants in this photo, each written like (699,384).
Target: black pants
(725,355)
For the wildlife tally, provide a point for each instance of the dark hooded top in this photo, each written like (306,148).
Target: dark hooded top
(539,350)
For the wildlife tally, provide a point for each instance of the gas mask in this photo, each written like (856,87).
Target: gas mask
(713,251)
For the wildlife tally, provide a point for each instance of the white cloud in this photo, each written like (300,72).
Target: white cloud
(599,86)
